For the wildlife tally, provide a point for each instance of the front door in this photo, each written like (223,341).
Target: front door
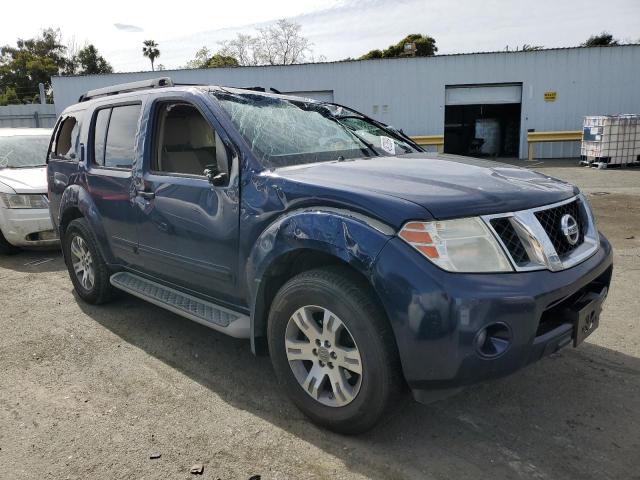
(188,229)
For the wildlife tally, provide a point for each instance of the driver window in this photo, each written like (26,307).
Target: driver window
(186,143)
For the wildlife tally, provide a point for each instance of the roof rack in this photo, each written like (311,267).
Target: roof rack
(127,87)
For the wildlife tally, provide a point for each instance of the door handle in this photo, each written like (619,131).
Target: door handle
(146,195)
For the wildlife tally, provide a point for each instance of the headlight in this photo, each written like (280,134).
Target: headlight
(590,217)
(463,245)
(12,200)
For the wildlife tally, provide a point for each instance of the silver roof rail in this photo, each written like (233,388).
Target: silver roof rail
(127,87)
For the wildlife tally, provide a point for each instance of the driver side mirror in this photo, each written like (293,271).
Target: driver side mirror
(215,177)
(218,174)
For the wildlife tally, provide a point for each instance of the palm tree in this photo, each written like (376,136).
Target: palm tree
(151,51)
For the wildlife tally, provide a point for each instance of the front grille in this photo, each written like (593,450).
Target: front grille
(509,237)
(550,221)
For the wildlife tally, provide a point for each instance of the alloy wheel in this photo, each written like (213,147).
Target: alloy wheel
(323,356)
(82,262)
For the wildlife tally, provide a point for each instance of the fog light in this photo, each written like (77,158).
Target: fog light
(493,340)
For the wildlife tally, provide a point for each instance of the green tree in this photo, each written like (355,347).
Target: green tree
(204,59)
(9,97)
(377,53)
(219,60)
(90,62)
(200,60)
(421,46)
(604,39)
(151,51)
(31,62)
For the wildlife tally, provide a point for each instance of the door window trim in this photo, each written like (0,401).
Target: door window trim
(91,160)
(150,153)
(155,110)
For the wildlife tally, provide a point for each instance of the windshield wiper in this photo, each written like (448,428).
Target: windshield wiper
(398,134)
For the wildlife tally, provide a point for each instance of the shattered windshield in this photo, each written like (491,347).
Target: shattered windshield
(383,137)
(20,151)
(374,134)
(284,132)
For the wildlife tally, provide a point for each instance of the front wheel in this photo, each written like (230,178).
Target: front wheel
(333,349)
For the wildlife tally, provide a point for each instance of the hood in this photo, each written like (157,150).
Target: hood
(448,186)
(25,180)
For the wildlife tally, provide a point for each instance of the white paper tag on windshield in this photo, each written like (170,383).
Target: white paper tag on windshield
(388,145)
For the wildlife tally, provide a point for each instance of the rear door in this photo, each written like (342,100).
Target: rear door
(188,228)
(62,159)
(111,153)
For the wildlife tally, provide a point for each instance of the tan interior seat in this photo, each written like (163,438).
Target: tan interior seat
(188,143)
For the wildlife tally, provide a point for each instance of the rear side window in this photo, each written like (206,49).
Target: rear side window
(114,136)
(65,145)
(100,135)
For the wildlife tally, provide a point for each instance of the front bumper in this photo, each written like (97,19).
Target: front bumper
(27,227)
(436,315)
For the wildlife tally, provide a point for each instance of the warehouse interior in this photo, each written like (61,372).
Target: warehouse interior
(482,130)
(483,120)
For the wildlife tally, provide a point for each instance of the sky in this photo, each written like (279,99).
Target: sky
(337,28)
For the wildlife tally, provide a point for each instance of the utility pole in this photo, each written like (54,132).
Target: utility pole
(43,99)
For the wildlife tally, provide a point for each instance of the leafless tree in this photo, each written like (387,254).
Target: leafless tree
(200,60)
(244,48)
(280,43)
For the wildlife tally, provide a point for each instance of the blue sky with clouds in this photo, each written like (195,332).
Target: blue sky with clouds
(337,28)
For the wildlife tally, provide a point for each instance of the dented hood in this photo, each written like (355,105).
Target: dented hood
(25,180)
(448,186)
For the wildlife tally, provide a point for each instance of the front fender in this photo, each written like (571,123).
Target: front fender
(75,196)
(353,238)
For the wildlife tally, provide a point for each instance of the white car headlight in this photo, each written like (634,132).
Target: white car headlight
(12,200)
(461,245)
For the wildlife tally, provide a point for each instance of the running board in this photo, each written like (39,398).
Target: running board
(207,313)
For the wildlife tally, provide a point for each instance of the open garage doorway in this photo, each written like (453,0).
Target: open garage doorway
(483,120)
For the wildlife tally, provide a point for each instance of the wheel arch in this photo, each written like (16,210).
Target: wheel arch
(302,241)
(77,203)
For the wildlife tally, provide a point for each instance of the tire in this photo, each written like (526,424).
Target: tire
(95,288)
(5,247)
(362,324)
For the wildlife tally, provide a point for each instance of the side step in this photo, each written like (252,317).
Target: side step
(207,313)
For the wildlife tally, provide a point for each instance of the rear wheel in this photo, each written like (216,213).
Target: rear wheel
(333,350)
(88,271)
(5,247)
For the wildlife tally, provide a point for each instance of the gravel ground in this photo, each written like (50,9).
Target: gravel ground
(93,392)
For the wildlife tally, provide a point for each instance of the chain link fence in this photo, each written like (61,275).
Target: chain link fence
(27,116)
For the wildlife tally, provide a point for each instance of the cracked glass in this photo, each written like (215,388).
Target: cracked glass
(284,132)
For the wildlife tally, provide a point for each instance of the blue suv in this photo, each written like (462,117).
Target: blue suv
(359,263)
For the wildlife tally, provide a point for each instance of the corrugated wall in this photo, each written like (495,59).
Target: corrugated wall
(30,116)
(410,93)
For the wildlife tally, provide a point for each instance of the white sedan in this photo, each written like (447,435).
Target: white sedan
(24,207)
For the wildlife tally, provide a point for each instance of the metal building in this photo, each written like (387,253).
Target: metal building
(501,95)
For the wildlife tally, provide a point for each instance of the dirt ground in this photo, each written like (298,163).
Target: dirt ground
(92,392)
